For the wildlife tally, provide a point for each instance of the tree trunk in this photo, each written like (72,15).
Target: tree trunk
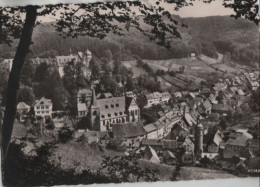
(14,77)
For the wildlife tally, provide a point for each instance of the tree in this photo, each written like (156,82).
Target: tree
(41,72)
(65,134)
(26,95)
(27,73)
(94,23)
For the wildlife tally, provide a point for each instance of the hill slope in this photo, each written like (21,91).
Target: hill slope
(237,39)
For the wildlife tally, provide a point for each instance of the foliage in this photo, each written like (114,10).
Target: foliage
(116,145)
(74,76)
(127,169)
(50,125)
(26,95)
(65,134)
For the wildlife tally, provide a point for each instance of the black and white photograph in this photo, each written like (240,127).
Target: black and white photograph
(114,91)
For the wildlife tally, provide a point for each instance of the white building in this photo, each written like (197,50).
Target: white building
(43,108)
(156,98)
(79,57)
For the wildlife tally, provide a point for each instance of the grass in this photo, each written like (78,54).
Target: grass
(81,155)
(165,172)
(195,173)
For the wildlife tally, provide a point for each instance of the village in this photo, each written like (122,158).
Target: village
(198,127)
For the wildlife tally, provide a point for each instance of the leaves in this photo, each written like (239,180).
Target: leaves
(99,19)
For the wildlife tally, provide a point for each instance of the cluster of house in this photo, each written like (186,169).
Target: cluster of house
(42,108)
(61,61)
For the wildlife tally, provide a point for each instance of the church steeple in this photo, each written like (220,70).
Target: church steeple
(94,99)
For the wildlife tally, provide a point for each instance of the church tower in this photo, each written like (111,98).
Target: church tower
(94,112)
(198,139)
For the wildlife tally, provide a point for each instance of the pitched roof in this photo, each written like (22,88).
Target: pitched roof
(151,155)
(150,128)
(169,144)
(221,107)
(81,107)
(84,91)
(206,104)
(168,154)
(239,141)
(43,101)
(111,107)
(22,105)
(151,142)
(128,130)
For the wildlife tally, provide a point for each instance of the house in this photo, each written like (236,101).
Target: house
(160,129)
(128,131)
(186,143)
(213,146)
(23,108)
(221,108)
(188,119)
(169,158)
(177,94)
(151,131)
(82,110)
(154,143)
(151,155)
(43,108)
(84,95)
(156,98)
(205,107)
(237,144)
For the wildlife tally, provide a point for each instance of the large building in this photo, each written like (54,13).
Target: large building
(83,57)
(106,111)
(156,98)
(43,108)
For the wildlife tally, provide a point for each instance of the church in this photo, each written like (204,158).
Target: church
(109,110)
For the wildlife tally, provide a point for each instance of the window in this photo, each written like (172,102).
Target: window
(38,112)
(42,112)
(38,107)
(135,112)
(47,107)
(121,113)
(112,106)
(109,115)
(94,113)
(106,106)
(103,116)
(117,105)
(47,112)
(115,113)
(42,107)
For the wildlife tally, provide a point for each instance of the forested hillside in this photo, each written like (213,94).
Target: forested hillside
(237,39)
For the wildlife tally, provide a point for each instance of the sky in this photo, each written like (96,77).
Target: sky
(199,9)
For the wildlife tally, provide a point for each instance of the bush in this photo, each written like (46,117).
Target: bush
(65,134)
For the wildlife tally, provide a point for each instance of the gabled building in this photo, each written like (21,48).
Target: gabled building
(43,108)
(107,111)
(151,155)
(23,108)
(156,98)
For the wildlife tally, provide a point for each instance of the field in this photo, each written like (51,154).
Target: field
(165,172)
(195,173)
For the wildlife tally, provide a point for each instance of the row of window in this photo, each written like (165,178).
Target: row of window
(112,121)
(42,107)
(43,112)
(112,105)
(116,114)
